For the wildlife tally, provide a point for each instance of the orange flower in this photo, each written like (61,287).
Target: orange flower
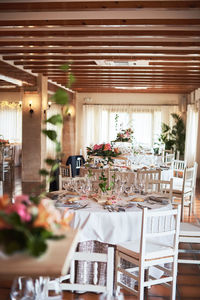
(107,147)
(65,221)
(4,201)
(42,218)
(116,150)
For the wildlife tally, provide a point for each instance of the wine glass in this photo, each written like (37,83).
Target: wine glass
(22,289)
(48,288)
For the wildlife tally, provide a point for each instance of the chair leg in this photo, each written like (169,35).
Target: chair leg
(182,208)
(190,206)
(173,284)
(141,284)
(117,274)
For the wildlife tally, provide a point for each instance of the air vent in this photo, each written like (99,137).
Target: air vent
(122,63)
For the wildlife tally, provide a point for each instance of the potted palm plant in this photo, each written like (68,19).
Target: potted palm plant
(174,137)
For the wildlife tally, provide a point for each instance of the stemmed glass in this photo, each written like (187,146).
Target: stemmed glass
(22,289)
(47,288)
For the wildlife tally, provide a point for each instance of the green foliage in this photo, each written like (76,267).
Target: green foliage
(60,97)
(174,138)
(55,120)
(103,182)
(30,222)
(51,134)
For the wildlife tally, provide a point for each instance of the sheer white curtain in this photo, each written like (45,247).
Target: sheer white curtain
(11,121)
(191,134)
(100,126)
(50,146)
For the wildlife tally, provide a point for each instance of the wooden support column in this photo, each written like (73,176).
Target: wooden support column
(33,140)
(69,129)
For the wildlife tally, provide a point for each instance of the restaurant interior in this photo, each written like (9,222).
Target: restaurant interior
(99,149)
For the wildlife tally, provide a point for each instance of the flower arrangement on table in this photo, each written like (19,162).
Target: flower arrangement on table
(3,142)
(106,151)
(26,226)
(125,135)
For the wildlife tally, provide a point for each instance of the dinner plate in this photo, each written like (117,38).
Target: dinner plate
(72,205)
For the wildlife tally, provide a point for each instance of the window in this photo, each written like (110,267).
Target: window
(11,121)
(100,125)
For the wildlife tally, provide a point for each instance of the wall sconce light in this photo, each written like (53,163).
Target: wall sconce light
(49,106)
(31,111)
(20,104)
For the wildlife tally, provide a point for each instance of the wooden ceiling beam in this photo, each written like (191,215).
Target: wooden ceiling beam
(116,57)
(108,14)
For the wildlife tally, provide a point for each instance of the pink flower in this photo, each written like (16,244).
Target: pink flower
(107,147)
(22,199)
(97,147)
(21,210)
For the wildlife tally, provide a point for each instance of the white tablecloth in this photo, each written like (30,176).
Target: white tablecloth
(109,227)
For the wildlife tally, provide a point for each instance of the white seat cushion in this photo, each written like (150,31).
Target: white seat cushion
(154,249)
(189,229)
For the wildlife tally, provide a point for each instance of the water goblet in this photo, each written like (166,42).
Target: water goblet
(22,289)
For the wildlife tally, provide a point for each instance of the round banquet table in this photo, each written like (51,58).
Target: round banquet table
(98,224)
(100,229)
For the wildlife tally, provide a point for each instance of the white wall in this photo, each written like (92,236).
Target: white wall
(128,98)
(10,96)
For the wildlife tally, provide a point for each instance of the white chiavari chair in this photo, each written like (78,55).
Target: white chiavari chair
(65,173)
(153,249)
(186,192)
(163,188)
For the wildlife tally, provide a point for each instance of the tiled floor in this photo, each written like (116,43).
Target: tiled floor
(188,280)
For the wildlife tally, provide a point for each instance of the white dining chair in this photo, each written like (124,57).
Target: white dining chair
(163,188)
(152,250)
(168,159)
(186,191)
(178,169)
(68,282)
(189,235)
(65,173)
(148,174)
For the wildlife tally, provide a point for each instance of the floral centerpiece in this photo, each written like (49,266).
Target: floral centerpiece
(26,226)
(125,135)
(106,151)
(3,142)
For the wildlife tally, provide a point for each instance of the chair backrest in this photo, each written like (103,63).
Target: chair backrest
(168,159)
(125,177)
(64,172)
(178,168)
(162,187)
(145,175)
(157,225)
(189,179)
(95,284)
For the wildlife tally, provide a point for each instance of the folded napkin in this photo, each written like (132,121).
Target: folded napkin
(162,200)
